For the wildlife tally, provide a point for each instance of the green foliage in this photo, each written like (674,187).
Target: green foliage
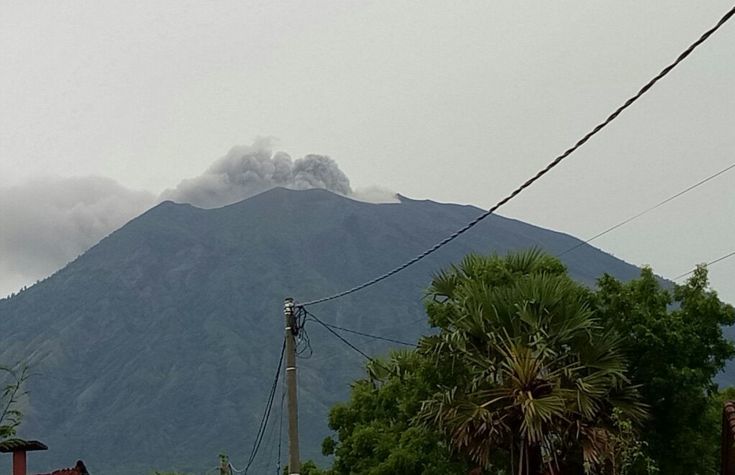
(675,347)
(375,431)
(309,468)
(521,373)
(12,391)
(627,454)
(539,376)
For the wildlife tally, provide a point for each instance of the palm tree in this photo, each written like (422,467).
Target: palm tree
(538,376)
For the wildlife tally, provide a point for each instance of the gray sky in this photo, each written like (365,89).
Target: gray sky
(453,101)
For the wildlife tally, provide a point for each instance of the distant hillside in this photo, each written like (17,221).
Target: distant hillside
(156,348)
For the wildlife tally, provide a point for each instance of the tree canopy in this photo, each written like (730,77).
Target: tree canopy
(529,372)
(541,375)
(377,434)
(675,348)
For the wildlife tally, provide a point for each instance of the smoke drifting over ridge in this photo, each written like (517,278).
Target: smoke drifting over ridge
(47,222)
(248,170)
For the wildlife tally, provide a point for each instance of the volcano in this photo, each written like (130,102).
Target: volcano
(156,348)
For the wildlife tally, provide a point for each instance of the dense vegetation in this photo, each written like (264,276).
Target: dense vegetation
(675,348)
(529,372)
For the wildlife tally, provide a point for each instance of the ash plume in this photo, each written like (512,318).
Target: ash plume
(48,222)
(248,170)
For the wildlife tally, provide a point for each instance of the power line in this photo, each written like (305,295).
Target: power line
(539,174)
(303,342)
(280,434)
(368,335)
(726,256)
(340,337)
(270,443)
(266,411)
(648,210)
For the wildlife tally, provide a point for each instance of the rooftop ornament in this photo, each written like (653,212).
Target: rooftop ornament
(19,447)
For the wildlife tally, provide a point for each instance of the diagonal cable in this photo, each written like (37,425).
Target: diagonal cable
(368,335)
(340,337)
(726,256)
(647,210)
(280,433)
(266,411)
(540,173)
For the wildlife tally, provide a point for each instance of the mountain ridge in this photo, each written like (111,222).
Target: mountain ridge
(161,340)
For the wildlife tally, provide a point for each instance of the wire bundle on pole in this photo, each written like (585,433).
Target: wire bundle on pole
(303,342)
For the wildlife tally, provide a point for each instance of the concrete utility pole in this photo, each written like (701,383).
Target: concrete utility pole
(294,463)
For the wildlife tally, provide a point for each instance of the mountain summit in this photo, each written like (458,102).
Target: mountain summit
(156,348)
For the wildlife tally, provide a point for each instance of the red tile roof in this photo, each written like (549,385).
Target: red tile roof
(78,469)
(20,445)
(728,439)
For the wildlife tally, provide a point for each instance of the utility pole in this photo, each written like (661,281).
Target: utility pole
(294,463)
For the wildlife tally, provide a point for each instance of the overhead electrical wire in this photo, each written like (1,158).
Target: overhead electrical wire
(368,335)
(340,337)
(266,412)
(280,433)
(647,210)
(719,259)
(303,342)
(266,459)
(539,174)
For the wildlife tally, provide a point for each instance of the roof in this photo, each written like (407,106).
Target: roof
(18,445)
(728,436)
(78,469)
(729,414)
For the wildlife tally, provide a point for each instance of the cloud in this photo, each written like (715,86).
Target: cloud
(248,170)
(375,194)
(47,222)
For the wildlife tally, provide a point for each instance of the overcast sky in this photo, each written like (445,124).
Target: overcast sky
(453,101)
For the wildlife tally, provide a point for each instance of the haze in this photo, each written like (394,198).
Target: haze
(456,102)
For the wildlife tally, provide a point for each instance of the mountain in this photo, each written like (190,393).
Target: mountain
(156,348)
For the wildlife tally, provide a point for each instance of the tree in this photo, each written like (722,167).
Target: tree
(376,433)
(675,347)
(628,454)
(12,391)
(591,360)
(539,375)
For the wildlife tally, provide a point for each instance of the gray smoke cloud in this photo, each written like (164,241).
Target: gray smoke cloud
(48,222)
(248,170)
